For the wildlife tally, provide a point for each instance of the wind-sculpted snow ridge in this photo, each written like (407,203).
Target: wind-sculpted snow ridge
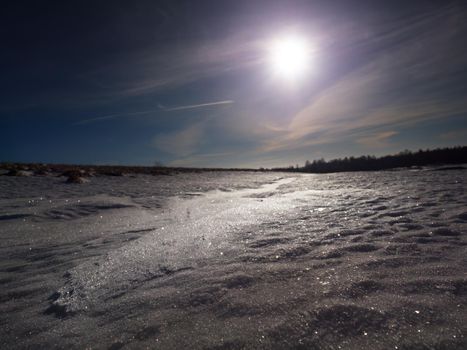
(337,261)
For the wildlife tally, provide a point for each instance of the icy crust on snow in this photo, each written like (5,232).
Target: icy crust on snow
(195,230)
(353,260)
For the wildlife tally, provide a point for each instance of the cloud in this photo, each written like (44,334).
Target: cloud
(410,81)
(202,105)
(181,143)
(160,108)
(455,134)
(173,66)
(202,159)
(112,116)
(378,140)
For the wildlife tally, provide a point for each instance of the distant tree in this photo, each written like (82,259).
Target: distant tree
(454,155)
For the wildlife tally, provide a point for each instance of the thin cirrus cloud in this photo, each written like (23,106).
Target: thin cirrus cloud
(378,140)
(406,75)
(111,116)
(453,135)
(207,159)
(181,143)
(410,82)
(172,66)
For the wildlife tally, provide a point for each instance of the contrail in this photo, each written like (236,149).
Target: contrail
(179,108)
(165,109)
(112,116)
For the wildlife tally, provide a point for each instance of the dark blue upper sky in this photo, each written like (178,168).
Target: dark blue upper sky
(189,82)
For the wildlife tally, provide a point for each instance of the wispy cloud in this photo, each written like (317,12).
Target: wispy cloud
(112,116)
(203,159)
(455,134)
(182,143)
(173,66)
(202,105)
(409,82)
(378,140)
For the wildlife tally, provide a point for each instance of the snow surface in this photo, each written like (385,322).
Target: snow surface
(221,260)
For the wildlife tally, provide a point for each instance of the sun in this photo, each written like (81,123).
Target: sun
(290,56)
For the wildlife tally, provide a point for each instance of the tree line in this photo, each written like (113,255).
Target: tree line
(452,155)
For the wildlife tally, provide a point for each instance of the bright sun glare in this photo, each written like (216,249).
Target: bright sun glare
(290,56)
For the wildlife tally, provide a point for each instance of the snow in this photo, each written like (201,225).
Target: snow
(221,260)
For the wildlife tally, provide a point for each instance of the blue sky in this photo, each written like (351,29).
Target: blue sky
(189,83)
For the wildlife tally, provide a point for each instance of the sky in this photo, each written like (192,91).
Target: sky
(190,83)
